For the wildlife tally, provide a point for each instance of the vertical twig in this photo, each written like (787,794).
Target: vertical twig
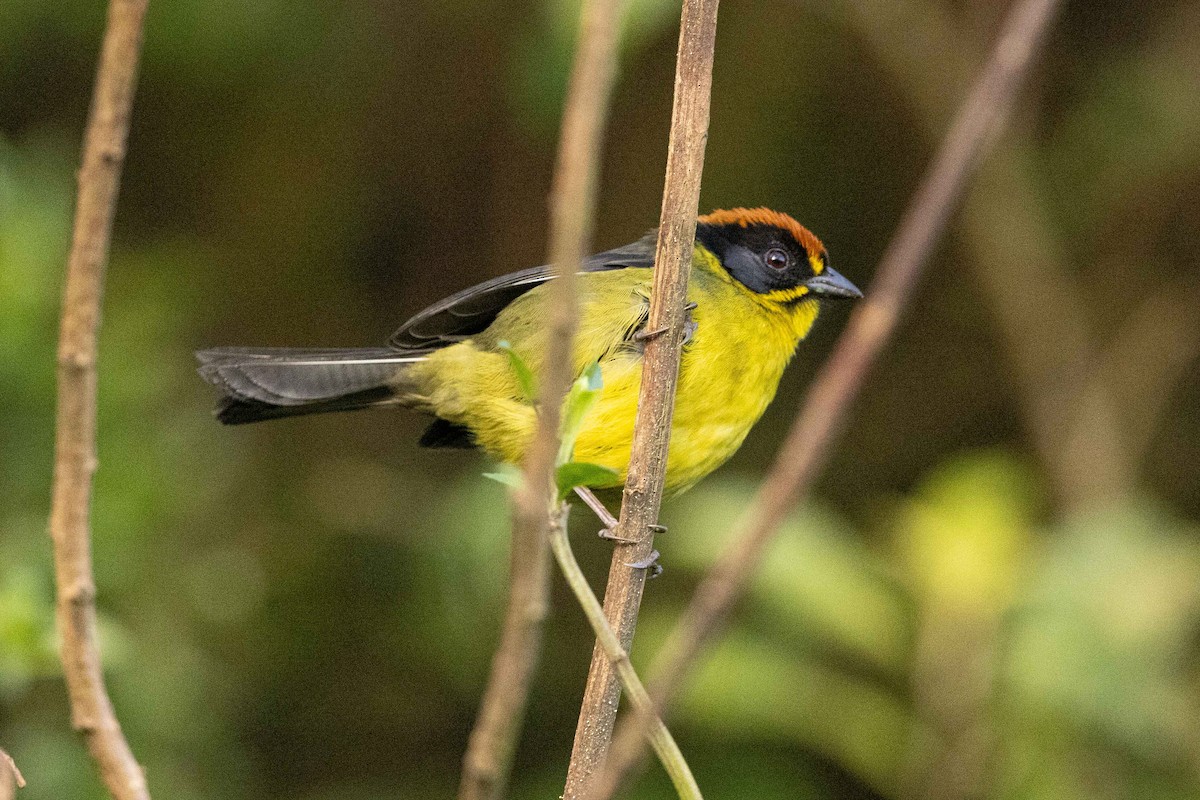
(644,484)
(488,759)
(487,762)
(11,778)
(75,445)
(868,331)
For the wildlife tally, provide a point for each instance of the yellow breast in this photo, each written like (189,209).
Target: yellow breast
(728,375)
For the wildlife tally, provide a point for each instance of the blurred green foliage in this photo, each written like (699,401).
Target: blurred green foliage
(307,609)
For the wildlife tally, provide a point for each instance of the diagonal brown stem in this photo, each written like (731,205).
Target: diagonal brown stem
(657,735)
(644,484)
(1023,268)
(75,443)
(488,760)
(823,413)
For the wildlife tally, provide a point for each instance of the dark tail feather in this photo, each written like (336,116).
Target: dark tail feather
(274,383)
(233,411)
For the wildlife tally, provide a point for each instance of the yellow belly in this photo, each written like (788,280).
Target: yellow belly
(728,375)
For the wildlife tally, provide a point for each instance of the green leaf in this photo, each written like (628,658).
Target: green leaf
(591,374)
(525,377)
(583,395)
(581,473)
(507,474)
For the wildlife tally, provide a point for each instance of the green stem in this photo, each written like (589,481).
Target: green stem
(657,734)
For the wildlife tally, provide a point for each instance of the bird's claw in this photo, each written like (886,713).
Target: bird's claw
(611,535)
(645,336)
(650,562)
(689,327)
(689,324)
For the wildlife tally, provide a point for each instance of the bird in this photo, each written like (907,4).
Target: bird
(754,290)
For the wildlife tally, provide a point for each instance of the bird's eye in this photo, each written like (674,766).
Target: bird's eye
(777,258)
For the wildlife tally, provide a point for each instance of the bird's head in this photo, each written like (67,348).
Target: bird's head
(772,255)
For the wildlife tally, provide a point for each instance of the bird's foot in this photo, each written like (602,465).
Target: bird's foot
(610,534)
(650,562)
(610,522)
(609,531)
(689,324)
(645,336)
(689,328)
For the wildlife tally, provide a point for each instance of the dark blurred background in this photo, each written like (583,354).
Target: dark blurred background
(994,591)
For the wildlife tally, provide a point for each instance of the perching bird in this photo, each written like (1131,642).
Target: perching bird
(753,296)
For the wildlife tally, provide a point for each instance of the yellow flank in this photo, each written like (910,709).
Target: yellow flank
(728,375)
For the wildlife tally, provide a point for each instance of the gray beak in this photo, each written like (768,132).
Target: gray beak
(831,283)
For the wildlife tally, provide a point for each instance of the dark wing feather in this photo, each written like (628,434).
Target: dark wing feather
(472,310)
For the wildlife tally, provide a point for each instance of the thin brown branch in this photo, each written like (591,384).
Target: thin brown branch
(11,778)
(870,327)
(644,484)
(488,760)
(75,445)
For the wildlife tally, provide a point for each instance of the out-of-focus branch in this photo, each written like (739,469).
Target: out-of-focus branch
(488,759)
(953,677)
(1021,266)
(870,327)
(656,732)
(92,712)
(487,762)
(11,778)
(656,402)
(1161,336)
(1038,306)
